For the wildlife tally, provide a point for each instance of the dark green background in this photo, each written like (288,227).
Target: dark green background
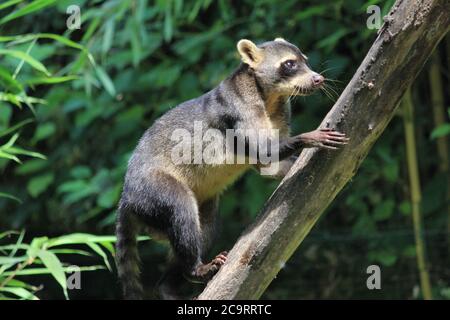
(152,55)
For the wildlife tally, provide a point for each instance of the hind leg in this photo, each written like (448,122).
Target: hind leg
(173,277)
(208,223)
(209,227)
(189,238)
(170,282)
(170,207)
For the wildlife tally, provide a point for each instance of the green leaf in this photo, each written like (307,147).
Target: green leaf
(330,42)
(15,127)
(10,142)
(105,80)
(35,271)
(18,99)
(17,150)
(405,208)
(12,260)
(71,251)
(310,12)
(81,172)
(390,171)
(18,283)
(384,210)
(72,186)
(83,238)
(14,99)
(7,233)
(27,58)
(18,243)
(52,263)
(441,131)
(386,257)
(108,36)
(79,238)
(9,3)
(9,196)
(9,156)
(108,198)
(13,246)
(27,9)
(409,251)
(37,243)
(35,36)
(100,252)
(43,131)
(52,80)
(31,166)
(60,39)
(20,292)
(168,24)
(8,81)
(136,50)
(39,184)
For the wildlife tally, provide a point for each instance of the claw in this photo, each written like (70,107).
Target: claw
(327,147)
(336,133)
(220,259)
(336,142)
(337,138)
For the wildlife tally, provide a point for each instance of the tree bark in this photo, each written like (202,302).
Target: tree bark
(410,32)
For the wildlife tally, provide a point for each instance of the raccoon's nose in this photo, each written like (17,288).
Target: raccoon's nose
(317,80)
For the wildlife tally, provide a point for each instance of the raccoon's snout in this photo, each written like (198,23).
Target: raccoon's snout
(317,80)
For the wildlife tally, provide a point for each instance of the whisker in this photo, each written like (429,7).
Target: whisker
(295,93)
(330,88)
(327,93)
(328,69)
(331,94)
(333,80)
(290,96)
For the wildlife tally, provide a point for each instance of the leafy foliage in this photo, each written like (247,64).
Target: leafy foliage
(73,104)
(42,256)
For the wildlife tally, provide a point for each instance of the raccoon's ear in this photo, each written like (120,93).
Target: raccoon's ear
(250,53)
(280,40)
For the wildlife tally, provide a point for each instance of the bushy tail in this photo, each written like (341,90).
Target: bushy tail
(127,257)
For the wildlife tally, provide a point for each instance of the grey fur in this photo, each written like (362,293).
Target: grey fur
(179,202)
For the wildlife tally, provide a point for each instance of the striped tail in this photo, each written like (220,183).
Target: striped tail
(127,257)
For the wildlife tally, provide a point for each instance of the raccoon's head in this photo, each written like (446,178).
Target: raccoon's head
(280,67)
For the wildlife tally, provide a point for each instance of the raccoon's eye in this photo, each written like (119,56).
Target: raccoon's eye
(290,64)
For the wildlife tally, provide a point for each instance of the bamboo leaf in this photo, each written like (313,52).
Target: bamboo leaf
(27,58)
(10,142)
(52,263)
(10,196)
(9,156)
(39,184)
(27,9)
(15,127)
(100,252)
(441,131)
(52,80)
(9,3)
(20,292)
(105,80)
(7,233)
(8,81)
(71,251)
(17,150)
(35,271)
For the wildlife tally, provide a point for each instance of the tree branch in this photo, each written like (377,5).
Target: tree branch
(411,31)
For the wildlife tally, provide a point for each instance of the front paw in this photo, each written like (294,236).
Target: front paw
(324,138)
